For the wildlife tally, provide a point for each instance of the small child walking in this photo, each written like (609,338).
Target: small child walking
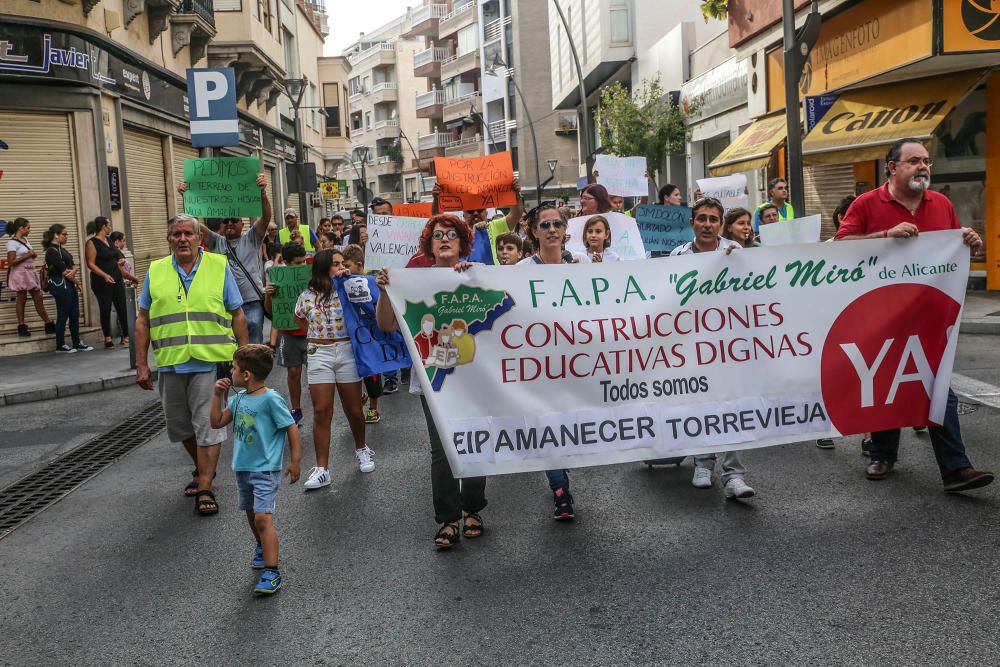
(260,420)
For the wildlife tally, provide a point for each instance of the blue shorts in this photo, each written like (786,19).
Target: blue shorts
(258,490)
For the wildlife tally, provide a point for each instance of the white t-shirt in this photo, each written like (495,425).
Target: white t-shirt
(19,248)
(690,249)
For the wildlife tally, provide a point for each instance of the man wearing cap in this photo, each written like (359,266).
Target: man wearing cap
(292,222)
(245,261)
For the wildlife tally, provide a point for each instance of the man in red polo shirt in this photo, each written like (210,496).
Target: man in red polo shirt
(902,208)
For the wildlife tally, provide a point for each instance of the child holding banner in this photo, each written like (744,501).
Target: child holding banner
(331,364)
(445,239)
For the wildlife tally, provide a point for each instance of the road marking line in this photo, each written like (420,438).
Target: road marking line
(983,392)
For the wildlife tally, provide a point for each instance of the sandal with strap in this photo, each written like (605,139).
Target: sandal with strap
(471,531)
(447,536)
(206,507)
(191,490)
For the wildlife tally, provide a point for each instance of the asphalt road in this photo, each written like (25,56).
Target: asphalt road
(823,567)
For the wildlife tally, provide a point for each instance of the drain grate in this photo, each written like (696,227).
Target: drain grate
(30,495)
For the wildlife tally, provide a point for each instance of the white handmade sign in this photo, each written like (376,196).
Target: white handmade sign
(626,239)
(622,176)
(392,240)
(791,232)
(730,190)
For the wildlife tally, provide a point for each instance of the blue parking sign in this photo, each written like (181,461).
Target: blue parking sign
(212,107)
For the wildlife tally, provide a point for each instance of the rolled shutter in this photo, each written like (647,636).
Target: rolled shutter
(38,183)
(147,198)
(182,151)
(825,185)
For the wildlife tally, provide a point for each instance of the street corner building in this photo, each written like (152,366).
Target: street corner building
(94,111)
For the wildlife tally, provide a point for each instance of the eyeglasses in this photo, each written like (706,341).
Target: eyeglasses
(549,224)
(451,235)
(916,161)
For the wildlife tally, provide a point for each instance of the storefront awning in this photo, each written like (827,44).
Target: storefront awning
(861,123)
(752,149)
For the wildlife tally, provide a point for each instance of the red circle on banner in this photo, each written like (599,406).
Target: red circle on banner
(863,330)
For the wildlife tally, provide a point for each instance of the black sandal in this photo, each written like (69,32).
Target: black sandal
(191,489)
(206,507)
(449,534)
(471,531)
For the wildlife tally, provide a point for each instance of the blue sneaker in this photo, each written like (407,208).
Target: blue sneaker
(270,582)
(297,415)
(257,562)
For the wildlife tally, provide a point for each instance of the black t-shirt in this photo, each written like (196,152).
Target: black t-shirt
(58,260)
(107,259)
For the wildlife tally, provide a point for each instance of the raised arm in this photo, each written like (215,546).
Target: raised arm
(265,205)
(384,317)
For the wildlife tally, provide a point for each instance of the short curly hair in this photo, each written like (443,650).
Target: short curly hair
(446,220)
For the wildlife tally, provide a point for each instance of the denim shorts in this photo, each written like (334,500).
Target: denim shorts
(258,490)
(332,363)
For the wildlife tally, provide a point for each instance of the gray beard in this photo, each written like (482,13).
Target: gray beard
(919,186)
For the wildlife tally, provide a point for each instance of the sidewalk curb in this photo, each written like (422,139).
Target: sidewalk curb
(989,326)
(64,390)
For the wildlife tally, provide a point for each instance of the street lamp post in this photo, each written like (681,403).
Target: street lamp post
(584,112)
(552,174)
(499,64)
(420,173)
(797,48)
(362,152)
(295,89)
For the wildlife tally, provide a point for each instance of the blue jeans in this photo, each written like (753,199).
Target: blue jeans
(257,490)
(254,312)
(558,479)
(67,310)
(949,450)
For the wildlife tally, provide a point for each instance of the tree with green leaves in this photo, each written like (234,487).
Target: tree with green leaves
(642,124)
(714,9)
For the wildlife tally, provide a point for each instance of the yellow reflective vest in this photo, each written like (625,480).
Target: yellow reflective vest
(285,235)
(193,323)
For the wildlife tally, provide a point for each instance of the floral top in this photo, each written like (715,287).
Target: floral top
(325,317)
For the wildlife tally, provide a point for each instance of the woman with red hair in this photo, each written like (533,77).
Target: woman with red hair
(445,240)
(594,199)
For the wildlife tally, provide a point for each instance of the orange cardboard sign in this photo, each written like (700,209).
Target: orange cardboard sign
(419,210)
(470,184)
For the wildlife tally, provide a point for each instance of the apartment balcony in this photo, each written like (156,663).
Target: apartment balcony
(459,108)
(385,92)
(424,21)
(432,145)
(382,53)
(385,166)
(495,29)
(430,104)
(193,25)
(460,64)
(427,63)
(384,129)
(498,130)
(258,76)
(471,147)
(457,19)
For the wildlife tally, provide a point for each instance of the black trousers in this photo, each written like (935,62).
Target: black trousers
(451,496)
(108,295)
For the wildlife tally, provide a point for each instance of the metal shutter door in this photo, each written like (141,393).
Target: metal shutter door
(39,184)
(182,151)
(147,198)
(825,185)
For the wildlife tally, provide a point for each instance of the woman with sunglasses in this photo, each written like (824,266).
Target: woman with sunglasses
(445,239)
(547,232)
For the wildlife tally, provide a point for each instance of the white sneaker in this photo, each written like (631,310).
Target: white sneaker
(318,478)
(65,349)
(702,478)
(737,488)
(366,459)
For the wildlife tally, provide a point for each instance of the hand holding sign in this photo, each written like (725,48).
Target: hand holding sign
(222,187)
(470,184)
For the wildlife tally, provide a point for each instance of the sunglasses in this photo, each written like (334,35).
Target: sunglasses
(550,224)
(451,235)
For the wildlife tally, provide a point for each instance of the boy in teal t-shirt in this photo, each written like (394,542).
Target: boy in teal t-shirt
(260,420)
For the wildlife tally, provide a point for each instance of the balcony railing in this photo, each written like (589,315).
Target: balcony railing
(385,85)
(498,130)
(385,123)
(465,142)
(427,12)
(203,8)
(459,11)
(495,29)
(462,98)
(426,142)
(355,58)
(430,98)
(427,56)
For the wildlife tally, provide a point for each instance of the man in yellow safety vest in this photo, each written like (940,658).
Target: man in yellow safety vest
(190,310)
(291,224)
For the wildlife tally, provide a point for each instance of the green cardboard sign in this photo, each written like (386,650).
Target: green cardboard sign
(290,282)
(222,187)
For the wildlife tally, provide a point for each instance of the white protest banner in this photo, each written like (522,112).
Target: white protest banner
(562,366)
(730,190)
(392,240)
(622,176)
(790,232)
(626,240)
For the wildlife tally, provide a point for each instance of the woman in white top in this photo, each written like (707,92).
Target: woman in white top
(22,277)
(331,363)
